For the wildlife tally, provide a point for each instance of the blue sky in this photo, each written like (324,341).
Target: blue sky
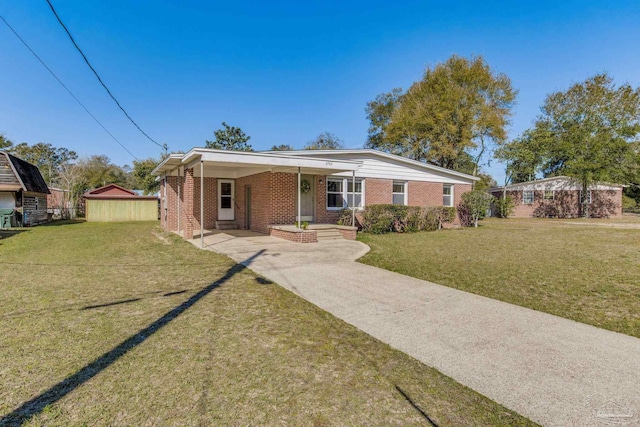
(283,71)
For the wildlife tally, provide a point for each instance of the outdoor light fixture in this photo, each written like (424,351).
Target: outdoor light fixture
(321,181)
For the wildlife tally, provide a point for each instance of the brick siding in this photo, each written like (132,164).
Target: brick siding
(565,204)
(307,236)
(274,200)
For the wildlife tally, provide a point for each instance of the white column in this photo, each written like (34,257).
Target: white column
(201,204)
(299,225)
(353,201)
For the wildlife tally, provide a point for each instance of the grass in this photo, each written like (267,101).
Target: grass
(120,324)
(587,273)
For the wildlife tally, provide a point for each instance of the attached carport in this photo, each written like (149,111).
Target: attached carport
(208,163)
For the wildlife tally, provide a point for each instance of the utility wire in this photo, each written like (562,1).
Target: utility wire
(65,87)
(163,146)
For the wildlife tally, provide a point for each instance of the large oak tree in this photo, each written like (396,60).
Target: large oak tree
(589,132)
(452,117)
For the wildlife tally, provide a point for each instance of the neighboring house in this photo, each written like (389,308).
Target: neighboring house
(23,192)
(59,204)
(258,190)
(559,197)
(113,203)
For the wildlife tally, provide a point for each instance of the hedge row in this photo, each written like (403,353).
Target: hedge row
(380,219)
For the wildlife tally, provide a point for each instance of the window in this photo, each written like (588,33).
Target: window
(341,193)
(357,193)
(548,194)
(399,193)
(527,197)
(334,193)
(447,195)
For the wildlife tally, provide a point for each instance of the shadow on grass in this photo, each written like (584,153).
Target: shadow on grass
(416,407)
(109,304)
(58,222)
(6,233)
(33,407)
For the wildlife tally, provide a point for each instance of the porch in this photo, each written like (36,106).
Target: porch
(211,189)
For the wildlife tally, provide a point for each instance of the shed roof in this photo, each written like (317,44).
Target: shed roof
(29,175)
(114,191)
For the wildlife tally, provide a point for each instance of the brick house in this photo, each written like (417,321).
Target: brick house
(559,197)
(206,189)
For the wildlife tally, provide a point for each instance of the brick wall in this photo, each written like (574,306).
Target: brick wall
(284,196)
(307,236)
(210,203)
(566,204)
(378,191)
(425,193)
(260,201)
(187,220)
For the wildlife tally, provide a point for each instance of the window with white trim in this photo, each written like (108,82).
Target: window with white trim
(335,198)
(354,196)
(548,194)
(399,193)
(342,194)
(447,195)
(527,197)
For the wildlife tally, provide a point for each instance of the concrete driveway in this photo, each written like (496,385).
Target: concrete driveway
(554,371)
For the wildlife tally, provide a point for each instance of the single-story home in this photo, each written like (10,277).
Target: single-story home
(113,203)
(23,193)
(560,197)
(206,189)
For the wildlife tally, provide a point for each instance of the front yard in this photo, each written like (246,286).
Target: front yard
(585,270)
(120,324)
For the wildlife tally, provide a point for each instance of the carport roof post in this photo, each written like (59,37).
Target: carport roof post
(236,164)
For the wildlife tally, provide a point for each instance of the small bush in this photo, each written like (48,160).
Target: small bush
(628,203)
(473,207)
(504,207)
(380,219)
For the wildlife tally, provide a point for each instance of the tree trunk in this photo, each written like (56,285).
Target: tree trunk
(585,198)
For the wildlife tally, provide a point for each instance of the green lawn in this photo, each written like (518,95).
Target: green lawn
(589,273)
(121,324)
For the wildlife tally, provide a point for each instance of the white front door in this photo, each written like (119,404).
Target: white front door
(226,198)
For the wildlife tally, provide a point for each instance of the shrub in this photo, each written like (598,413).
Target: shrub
(473,207)
(628,202)
(379,219)
(504,207)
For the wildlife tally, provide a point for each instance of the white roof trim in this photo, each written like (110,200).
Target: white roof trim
(382,154)
(268,160)
(551,183)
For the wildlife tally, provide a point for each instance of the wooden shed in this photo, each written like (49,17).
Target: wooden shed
(113,203)
(23,193)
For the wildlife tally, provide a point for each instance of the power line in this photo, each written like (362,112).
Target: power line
(163,146)
(65,87)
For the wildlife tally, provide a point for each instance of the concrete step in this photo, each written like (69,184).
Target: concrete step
(328,234)
(324,238)
(226,225)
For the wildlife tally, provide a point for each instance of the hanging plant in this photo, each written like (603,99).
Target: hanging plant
(305,186)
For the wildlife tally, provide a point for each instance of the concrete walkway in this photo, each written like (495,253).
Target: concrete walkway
(554,371)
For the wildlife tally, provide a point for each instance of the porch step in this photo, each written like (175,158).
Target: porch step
(226,225)
(328,234)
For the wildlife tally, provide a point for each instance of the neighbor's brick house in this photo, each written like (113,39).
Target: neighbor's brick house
(560,197)
(257,191)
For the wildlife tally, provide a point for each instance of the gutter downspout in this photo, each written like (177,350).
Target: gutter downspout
(353,208)
(201,203)
(179,195)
